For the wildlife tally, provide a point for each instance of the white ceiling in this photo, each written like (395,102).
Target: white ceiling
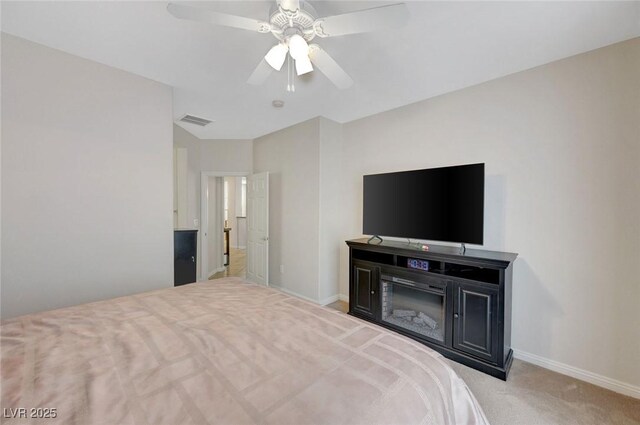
(446,46)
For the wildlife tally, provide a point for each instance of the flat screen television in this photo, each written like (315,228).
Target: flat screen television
(438,204)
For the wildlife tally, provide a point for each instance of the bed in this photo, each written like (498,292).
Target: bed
(221,352)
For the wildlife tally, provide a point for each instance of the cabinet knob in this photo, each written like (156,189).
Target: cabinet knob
(373,292)
(193,259)
(455,315)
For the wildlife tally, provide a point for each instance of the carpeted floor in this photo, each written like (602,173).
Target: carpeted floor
(534,395)
(538,396)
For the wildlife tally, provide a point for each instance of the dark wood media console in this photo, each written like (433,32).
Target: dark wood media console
(457,304)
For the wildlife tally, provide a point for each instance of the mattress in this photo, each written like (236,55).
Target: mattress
(221,352)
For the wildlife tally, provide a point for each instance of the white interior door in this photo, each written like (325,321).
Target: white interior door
(258,228)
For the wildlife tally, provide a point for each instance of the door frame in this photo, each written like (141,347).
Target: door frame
(204,215)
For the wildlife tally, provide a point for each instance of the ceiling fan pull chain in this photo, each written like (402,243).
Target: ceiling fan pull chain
(290,78)
(288,73)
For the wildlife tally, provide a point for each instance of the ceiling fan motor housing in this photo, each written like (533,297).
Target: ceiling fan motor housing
(285,24)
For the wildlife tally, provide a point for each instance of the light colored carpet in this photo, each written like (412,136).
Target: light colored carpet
(537,396)
(534,395)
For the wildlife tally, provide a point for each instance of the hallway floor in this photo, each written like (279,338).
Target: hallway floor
(237,265)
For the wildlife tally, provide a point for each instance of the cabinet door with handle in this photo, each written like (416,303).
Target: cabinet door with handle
(475,321)
(185,254)
(364,289)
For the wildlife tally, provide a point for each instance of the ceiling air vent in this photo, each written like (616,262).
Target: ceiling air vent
(191,119)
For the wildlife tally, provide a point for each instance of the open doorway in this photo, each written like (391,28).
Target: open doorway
(235,226)
(234,240)
(224,225)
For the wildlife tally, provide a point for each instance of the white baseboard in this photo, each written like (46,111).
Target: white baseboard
(581,374)
(326,301)
(295,294)
(329,300)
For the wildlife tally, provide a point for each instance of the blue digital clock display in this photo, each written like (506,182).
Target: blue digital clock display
(414,263)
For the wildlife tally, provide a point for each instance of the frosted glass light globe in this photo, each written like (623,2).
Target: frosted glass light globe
(303,65)
(276,56)
(298,47)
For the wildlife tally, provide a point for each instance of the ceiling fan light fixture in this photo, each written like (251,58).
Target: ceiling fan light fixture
(303,65)
(276,56)
(298,47)
(295,22)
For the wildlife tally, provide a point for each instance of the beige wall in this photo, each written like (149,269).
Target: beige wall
(183,139)
(291,156)
(332,223)
(561,144)
(86,180)
(306,228)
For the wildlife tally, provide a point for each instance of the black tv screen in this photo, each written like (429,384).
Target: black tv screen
(439,204)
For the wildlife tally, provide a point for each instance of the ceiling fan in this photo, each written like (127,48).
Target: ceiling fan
(294,23)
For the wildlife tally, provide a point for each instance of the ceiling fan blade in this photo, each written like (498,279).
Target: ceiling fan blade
(392,16)
(182,11)
(329,67)
(260,74)
(291,6)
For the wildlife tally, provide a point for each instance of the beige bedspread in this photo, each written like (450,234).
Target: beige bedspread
(222,352)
